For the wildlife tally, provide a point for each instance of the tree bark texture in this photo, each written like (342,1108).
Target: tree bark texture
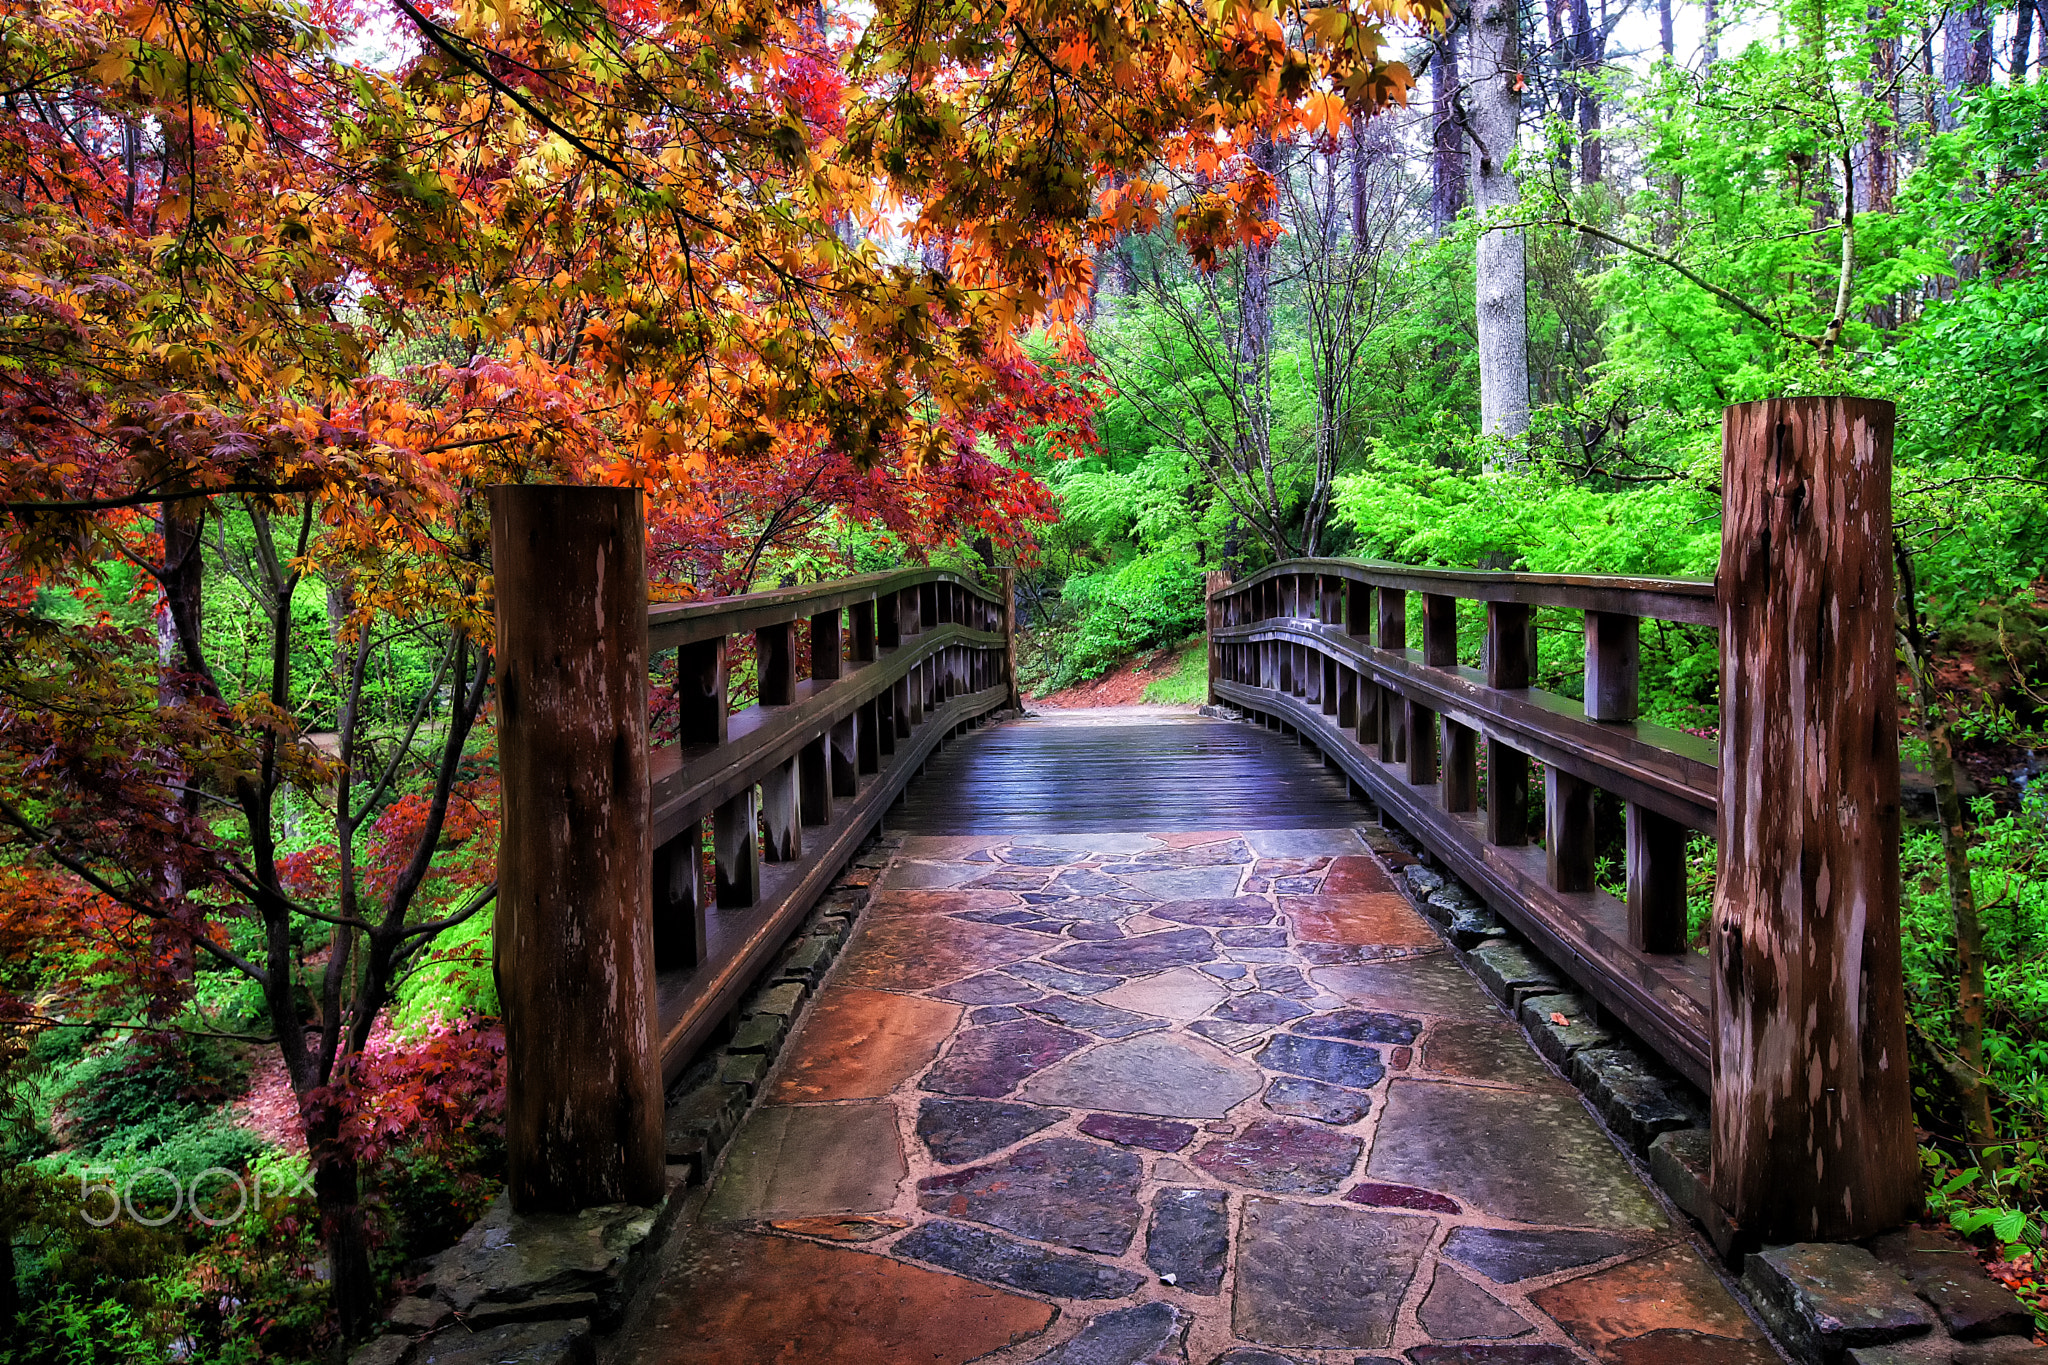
(2022,37)
(1812,1117)
(574,937)
(1502,273)
(1449,168)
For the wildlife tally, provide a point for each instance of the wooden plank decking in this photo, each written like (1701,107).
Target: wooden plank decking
(1125,768)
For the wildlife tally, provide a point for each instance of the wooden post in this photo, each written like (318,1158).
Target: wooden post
(574,942)
(867,736)
(701,692)
(889,625)
(1347,698)
(863,614)
(1656,882)
(1006,586)
(1568,843)
(679,900)
(1439,630)
(827,646)
(735,850)
(814,781)
(1506,660)
(1460,766)
(1391,632)
(781,814)
(845,755)
(775,663)
(1812,1115)
(1613,654)
(1215,582)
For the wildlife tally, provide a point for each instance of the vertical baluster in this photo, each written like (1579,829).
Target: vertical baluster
(735,850)
(1331,687)
(1613,658)
(868,736)
(701,692)
(679,939)
(827,646)
(927,606)
(1505,658)
(1460,776)
(1357,607)
(889,621)
(1567,830)
(863,614)
(1392,633)
(814,781)
(780,816)
(775,663)
(1420,724)
(1347,698)
(1656,882)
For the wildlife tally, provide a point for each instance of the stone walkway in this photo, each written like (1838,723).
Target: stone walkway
(1215,1098)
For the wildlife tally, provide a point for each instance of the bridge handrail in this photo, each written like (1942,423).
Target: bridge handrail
(780,782)
(1320,647)
(1686,600)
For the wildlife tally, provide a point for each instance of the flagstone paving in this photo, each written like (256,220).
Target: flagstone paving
(1182,1099)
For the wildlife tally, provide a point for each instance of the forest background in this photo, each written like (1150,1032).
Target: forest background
(281,289)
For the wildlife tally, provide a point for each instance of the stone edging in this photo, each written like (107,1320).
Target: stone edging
(1912,1297)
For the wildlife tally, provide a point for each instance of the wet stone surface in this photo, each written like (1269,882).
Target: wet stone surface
(989,1062)
(1362,1026)
(1282,1156)
(1063,1190)
(1324,1059)
(1188,1098)
(967,1130)
(989,1256)
(1188,1238)
(1159,1135)
(1304,1099)
(1257,1007)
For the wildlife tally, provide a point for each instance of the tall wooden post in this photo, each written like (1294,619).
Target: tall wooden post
(1214,582)
(1006,584)
(1813,1129)
(574,941)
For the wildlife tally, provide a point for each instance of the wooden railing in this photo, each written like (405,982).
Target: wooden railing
(897,663)
(619,948)
(1321,648)
(1795,1020)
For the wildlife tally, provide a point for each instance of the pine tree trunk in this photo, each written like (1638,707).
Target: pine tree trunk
(1502,272)
(1664,32)
(2022,37)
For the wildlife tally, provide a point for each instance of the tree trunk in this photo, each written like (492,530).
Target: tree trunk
(1558,33)
(2022,37)
(1881,162)
(1502,273)
(1448,170)
(1712,52)
(337,1191)
(1254,349)
(1977,69)
(10,1291)
(1968,1070)
(1588,52)
(1664,33)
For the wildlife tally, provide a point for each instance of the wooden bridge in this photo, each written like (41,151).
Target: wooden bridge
(1221,865)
